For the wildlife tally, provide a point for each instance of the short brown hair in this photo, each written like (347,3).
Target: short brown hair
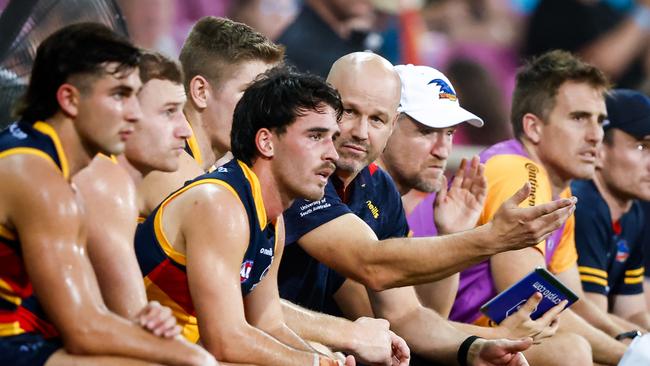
(215,44)
(154,65)
(539,80)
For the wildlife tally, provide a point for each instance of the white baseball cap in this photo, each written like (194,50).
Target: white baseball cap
(429,98)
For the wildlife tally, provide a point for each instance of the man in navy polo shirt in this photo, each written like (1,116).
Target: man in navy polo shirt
(609,219)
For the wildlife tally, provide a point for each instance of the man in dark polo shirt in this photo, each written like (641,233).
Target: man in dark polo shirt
(609,219)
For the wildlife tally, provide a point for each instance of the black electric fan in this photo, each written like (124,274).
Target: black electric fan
(25,23)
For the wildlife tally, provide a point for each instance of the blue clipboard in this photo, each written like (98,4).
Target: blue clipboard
(539,280)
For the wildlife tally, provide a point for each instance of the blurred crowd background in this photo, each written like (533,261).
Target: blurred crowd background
(477,43)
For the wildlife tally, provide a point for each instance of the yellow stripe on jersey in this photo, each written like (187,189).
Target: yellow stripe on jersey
(635,272)
(10,329)
(112,157)
(187,322)
(592,271)
(633,280)
(165,244)
(194,146)
(29,151)
(593,279)
(141,219)
(49,130)
(7,234)
(7,293)
(256,188)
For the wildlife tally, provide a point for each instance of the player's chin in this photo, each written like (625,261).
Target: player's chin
(585,171)
(314,193)
(168,166)
(115,148)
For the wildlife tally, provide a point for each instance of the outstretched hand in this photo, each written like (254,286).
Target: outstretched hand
(458,207)
(515,227)
(499,352)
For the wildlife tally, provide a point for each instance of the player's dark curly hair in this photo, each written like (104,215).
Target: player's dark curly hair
(274,101)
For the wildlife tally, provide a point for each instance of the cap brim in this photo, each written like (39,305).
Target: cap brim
(639,128)
(445,117)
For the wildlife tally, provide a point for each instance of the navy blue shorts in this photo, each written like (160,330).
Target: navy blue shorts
(29,349)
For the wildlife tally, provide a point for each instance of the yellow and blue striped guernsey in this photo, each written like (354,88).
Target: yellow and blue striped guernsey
(610,254)
(20,311)
(164,268)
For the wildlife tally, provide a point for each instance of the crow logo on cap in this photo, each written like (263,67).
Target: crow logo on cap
(446,92)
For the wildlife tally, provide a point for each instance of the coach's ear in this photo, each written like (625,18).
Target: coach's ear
(532,127)
(264,143)
(199,90)
(68,98)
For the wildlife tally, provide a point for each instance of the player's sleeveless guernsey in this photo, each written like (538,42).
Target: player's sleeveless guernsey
(610,254)
(507,167)
(164,267)
(20,311)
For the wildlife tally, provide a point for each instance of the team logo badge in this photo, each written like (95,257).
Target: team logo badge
(446,92)
(245,271)
(17,132)
(622,251)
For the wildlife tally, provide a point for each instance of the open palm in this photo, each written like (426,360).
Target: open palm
(458,207)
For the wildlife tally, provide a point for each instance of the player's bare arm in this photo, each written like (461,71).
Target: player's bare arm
(48,218)
(215,251)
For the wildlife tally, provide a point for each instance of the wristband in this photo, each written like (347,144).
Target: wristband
(641,17)
(631,335)
(463,350)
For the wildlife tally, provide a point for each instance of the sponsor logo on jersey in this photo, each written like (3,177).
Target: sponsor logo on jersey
(222,170)
(245,271)
(622,251)
(266,251)
(373,209)
(17,132)
(532,179)
(312,206)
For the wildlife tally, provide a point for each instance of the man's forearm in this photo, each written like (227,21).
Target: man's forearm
(411,261)
(429,335)
(642,320)
(600,319)
(121,337)
(287,336)
(331,331)
(483,332)
(606,350)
